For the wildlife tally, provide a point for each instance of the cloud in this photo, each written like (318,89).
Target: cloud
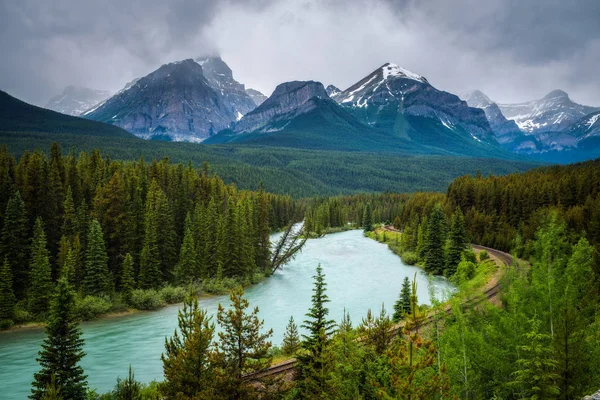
(512,50)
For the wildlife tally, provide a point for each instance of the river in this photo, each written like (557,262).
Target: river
(360,273)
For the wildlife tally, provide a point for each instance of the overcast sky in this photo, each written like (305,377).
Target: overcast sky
(513,50)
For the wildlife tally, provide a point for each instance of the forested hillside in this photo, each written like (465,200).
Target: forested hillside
(114,227)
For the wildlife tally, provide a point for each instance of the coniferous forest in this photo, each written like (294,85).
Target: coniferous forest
(83,234)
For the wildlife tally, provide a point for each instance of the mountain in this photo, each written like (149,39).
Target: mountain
(553,113)
(175,102)
(76,100)
(332,90)
(256,96)
(405,105)
(220,77)
(506,131)
(17,116)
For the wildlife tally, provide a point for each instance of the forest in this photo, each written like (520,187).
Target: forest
(94,228)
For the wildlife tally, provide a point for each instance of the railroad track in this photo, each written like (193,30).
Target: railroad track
(288,366)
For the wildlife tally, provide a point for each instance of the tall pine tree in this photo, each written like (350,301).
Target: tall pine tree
(291,339)
(40,274)
(458,242)
(127,278)
(14,243)
(402,306)
(435,242)
(97,279)
(7,296)
(62,350)
(367,220)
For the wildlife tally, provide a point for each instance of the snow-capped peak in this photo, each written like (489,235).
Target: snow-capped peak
(393,70)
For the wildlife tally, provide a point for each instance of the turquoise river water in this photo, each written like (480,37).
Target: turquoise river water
(361,274)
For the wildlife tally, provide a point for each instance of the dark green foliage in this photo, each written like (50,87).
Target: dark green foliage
(187,268)
(402,306)
(128,388)
(435,242)
(188,366)
(367,220)
(457,242)
(291,339)
(7,296)
(242,347)
(13,243)
(127,278)
(97,279)
(40,273)
(62,350)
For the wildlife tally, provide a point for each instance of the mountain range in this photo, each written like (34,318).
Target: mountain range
(389,109)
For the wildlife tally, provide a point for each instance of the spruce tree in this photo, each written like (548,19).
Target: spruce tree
(69,267)
(128,388)
(367,221)
(291,339)
(435,242)
(40,274)
(188,363)
(312,366)
(242,346)
(97,279)
(14,243)
(62,350)
(7,296)
(127,278)
(187,267)
(69,225)
(458,242)
(402,306)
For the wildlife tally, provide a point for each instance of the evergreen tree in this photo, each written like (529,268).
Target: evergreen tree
(97,279)
(14,243)
(40,275)
(312,364)
(367,220)
(127,278)
(262,223)
(188,363)
(377,332)
(7,296)
(435,242)
(242,346)
(69,225)
(291,339)
(187,268)
(62,350)
(69,267)
(402,306)
(128,388)
(458,242)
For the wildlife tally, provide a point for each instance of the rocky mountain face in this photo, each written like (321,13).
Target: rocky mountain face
(553,113)
(175,102)
(332,90)
(289,100)
(76,100)
(256,96)
(399,101)
(234,94)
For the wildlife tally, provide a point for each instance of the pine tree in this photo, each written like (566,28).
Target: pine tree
(128,388)
(188,362)
(187,267)
(69,267)
(69,225)
(127,278)
(40,275)
(97,279)
(242,346)
(14,243)
(262,223)
(377,332)
(435,242)
(458,242)
(312,365)
(402,306)
(7,296)
(291,339)
(367,221)
(62,350)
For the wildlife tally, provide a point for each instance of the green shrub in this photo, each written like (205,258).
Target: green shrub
(483,255)
(172,295)
(146,299)
(469,255)
(21,315)
(464,272)
(222,286)
(409,258)
(6,323)
(91,307)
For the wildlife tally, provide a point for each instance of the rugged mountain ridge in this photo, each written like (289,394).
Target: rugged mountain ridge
(76,100)
(256,96)
(175,102)
(553,113)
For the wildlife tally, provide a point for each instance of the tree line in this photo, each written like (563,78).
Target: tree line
(117,226)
